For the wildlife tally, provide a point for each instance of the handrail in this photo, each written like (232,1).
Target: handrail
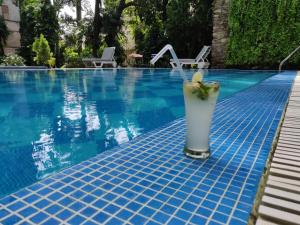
(287,58)
(163,51)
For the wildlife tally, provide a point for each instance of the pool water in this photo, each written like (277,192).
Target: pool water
(50,120)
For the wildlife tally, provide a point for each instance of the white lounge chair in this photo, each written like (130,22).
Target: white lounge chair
(201,59)
(106,58)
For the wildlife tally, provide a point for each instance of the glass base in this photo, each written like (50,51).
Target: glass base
(196,154)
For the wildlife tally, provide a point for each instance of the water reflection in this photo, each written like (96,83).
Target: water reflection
(72,104)
(92,118)
(44,154)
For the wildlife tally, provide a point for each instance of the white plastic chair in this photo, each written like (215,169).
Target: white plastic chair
(201,59)
(106,58)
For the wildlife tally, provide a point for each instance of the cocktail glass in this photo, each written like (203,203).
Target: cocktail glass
(200,99)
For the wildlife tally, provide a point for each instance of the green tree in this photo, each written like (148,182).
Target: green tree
(43,52)
(38,17)
(97,27)
(113,23)
(149,27)
(189,25)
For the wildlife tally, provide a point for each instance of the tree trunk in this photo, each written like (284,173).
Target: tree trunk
(117,24)
(97,25)
(78,11)
(220,32)
(78,20)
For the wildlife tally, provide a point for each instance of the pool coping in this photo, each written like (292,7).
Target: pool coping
(16,203)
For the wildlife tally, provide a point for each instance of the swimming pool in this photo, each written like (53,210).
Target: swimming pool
(50,120)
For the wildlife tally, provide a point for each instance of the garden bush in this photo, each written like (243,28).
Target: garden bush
(13,60)
(43,52)
(264,32)
(72,58)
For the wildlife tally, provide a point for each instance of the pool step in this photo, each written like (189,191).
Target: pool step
(280,203)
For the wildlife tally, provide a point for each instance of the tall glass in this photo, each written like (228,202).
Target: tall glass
(200,99)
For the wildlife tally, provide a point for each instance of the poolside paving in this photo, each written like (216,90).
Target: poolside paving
(281,199)
(150,181)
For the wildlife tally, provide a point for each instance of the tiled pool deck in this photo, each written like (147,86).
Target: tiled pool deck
(150,181)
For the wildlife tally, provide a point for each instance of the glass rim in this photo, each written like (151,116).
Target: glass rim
(204,82)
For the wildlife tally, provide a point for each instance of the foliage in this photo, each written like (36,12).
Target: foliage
(52,62)
(186,24)
(43,52)
(3,35)
(72,58)
(38,17)
(149,28)
(189,26)
(13,60)
(113,21)
(263,32)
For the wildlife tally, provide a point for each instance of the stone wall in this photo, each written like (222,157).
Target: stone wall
(220,32)
(11,14)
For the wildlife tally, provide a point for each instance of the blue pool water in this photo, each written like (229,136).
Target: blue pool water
(51,120)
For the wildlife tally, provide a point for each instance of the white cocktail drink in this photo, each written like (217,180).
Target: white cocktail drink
(200,100)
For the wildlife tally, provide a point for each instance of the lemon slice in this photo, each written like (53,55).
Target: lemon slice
(197,77)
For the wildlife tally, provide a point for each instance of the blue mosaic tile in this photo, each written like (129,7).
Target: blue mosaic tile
(213,223)
(77,206)
(7,200)
(220,217)
(42,204)
(90,223)
(28,211)
(134,206)
(198,220)
(53,209)
(138,220)
(13,219)
(161,217)
(152,223)
(16,206)
(111,209)
(88,212)
(88,199)
(114,221)
(51,221)
(66,201)
(22,193)
(238,222)
(55,196)
(3,213)
(100,217)
(184,215)
(124,214)
(100,203)
(76,220)
(38,218)
(65,214)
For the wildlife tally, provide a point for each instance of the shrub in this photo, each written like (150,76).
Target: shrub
(72,58)
(13,60)
(43,53)
(262,33)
